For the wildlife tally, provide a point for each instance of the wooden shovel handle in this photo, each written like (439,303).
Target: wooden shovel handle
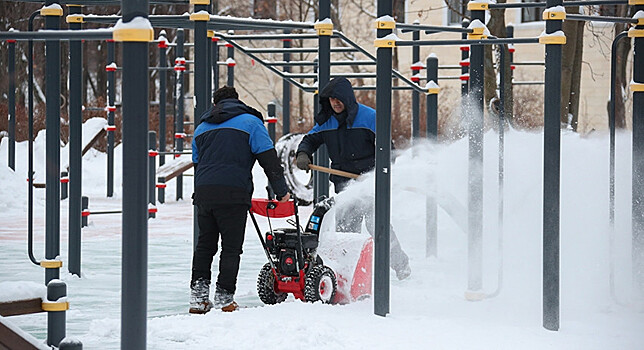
(333,171)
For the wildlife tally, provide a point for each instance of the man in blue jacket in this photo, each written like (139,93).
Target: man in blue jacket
(230,137)
(348,129)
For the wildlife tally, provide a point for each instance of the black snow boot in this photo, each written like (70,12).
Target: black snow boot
(199,296)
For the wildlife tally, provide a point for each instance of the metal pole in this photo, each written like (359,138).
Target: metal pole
(201,92)
(64,182)
(271,125)
(611,171)
(56,289)
(231,67)
(501,169)
(415,95)
(152,146)
(431,99)
(383,166)
(324,75)
(551,177)
(509,30)
(84,206)
(475,170)
(111,129)
(163,78)
(55,320)
(180,108)
(12,103)
(638,165)
(52,183)
(75,146)
(215,66)
(316,110)
(135,97)
(465,86)
(286,89)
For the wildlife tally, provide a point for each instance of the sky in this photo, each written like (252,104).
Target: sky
(427,310)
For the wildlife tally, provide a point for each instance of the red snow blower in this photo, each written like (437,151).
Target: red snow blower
(293,264)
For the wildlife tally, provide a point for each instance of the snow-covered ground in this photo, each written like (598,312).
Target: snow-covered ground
(428,310)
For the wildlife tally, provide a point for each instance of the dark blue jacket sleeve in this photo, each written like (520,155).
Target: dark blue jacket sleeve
(269,161)
(311,142)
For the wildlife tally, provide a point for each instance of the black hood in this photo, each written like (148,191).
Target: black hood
(227,109)
(341,89)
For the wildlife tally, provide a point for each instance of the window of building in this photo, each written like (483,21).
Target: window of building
(455,11)
(531,14)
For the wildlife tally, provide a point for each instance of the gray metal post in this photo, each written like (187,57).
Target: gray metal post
(271,125)
(551,177)
(324,75)
(163,79)
(152,147)
(475,170)
(84,214)
(52,183)
(135,97)
(215,63)
(431,222)
(202,87)
(64,184)
(231,67)
(111,96)
(180,109)
(12,103)
(70,344)
(286,89)
(383,167)
(501,160)
(509,30)
(638,165)
(465,69)
(415,96)
(75,146)
(56,289)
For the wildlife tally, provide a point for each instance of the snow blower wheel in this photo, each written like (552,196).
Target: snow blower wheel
(266,287)
(320,285)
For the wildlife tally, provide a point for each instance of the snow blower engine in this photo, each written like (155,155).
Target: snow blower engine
(293,264)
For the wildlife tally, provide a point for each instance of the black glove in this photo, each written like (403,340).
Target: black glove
(303,160)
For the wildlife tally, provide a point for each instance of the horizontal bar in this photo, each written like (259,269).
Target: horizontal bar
(105,212)
(529,63)
(295,49)
(398,87)
(565,4)
(528,82)
(574,17)
(417,27)
(273,37)
(467,42)
(312,63)
(450,67)
(87,34)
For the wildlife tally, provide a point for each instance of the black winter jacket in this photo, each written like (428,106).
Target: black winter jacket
(350,138)
(230,137)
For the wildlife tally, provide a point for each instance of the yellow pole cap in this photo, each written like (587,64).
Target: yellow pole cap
(133,34)
(636,2)
(384,43)
(210,33)
(553,15)
(200,16)
(323,28)
(637,87)
(478,6)
(640,21)
(51,264)
(55,306)
(385,25)
(476,36)
(552,40)
(199,2)
(75,19)
(433,91)
(51,11)
(636,33)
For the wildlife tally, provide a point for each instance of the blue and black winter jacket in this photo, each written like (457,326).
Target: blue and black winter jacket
(350,137)
(225,145)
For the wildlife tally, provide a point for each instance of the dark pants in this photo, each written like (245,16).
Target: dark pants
(229,221)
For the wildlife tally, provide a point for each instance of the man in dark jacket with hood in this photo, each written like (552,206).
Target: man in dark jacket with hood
(230,137)
(348,129)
